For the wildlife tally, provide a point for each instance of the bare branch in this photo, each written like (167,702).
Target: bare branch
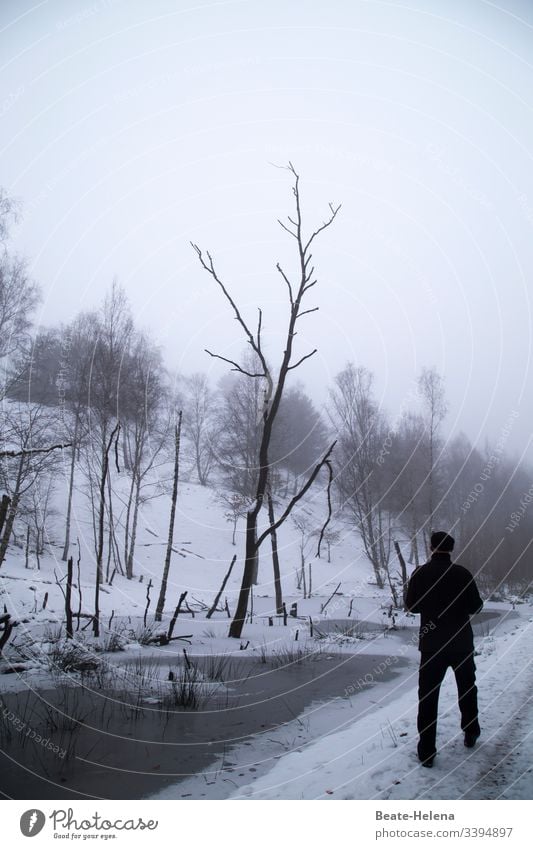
(288,229)
(302,359)
(292,503)
(305,312)
(287,281)
(236,366)
(334,210)
(210,268)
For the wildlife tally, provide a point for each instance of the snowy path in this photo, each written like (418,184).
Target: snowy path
(375,756)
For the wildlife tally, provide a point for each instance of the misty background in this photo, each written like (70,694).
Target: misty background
(129,129)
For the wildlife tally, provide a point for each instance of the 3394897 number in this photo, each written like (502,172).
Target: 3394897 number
(489,831)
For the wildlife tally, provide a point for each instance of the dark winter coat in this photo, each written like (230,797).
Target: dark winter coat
(445,594)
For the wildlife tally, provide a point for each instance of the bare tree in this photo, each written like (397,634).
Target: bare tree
(362,430)
(274,385)
(431,388)
(101,513)
(18,299)
(8,214)
(77,347)
(30,428)
(147,428)
(405,465)
(236,507)
(239,423)
(107,395)
(303,522)
(170,542)
(278,593)
(199,423)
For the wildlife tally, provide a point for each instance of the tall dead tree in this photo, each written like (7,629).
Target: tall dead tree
(166,569)
(101,523)
(275,555)
(274,385)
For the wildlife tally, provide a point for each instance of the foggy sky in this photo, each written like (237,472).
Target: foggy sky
(131,128)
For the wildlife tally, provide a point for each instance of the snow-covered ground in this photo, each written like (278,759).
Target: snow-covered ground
(375,756)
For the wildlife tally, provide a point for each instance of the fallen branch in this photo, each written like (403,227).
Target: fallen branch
(323,606)
(148,587)
(25,451)
(219,594)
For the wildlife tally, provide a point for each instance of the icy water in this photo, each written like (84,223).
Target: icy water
(110,744)
(123,752)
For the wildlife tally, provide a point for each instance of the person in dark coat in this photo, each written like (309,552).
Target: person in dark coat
(445,595)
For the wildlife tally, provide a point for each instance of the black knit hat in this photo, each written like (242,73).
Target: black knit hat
(441,541)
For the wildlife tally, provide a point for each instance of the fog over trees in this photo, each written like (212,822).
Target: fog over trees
(91,404)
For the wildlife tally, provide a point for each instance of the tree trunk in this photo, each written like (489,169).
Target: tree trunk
(275,558)
(68,601)
(70,492)
(166,570)
(8,527)
(101,518)
(403,570)
(250,568)
(4,507)
(133,538)
(127,524)
(414,543)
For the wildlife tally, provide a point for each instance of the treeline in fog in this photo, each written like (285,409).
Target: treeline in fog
(99,387)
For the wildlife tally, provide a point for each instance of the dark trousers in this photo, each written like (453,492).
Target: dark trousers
(432,671)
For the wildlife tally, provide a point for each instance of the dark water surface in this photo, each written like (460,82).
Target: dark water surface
(119,752)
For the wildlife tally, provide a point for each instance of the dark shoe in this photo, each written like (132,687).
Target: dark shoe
(471,739)
(426,758)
